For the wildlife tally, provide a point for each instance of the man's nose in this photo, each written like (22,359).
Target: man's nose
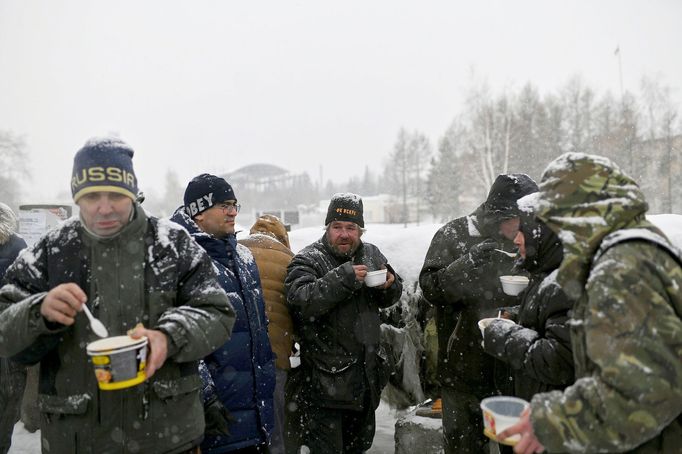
(105,207)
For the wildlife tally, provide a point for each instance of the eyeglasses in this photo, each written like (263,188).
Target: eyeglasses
(227,207)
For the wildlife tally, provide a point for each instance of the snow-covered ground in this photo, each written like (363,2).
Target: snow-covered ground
(405,249)
(24,442)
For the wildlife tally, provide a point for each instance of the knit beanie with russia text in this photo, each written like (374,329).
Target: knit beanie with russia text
(104,165)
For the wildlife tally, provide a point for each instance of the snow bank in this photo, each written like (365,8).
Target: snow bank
(671,224)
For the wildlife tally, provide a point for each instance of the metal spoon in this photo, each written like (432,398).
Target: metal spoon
(510,254)
(97,326)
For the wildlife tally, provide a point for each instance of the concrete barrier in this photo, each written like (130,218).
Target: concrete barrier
(418,434)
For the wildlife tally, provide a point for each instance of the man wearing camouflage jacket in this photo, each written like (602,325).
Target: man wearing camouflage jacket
(626,329)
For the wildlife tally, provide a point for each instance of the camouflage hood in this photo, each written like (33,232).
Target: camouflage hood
(583,198)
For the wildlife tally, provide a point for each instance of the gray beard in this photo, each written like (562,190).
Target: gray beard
(348,255)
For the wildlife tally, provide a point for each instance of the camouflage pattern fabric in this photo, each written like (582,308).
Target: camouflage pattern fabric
(626,329)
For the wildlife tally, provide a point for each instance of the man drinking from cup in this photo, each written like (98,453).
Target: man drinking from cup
(337,319)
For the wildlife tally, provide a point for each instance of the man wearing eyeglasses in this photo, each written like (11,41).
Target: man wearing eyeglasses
(239,377)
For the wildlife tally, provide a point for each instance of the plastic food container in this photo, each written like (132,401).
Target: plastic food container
(484,322)
(513,285)
(375,278)
(119,361)
(499,413)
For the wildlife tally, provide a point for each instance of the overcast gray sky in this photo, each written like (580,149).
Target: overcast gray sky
(211,86)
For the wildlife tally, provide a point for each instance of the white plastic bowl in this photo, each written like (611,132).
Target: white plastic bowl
(484,322)
(375,278)
(513,285)
(500,412)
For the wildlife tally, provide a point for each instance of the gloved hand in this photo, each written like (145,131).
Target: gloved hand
(481,252)
(217,418)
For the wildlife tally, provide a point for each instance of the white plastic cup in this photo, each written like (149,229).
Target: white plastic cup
(484,322)
(499,413)
(513,285)
(375,278)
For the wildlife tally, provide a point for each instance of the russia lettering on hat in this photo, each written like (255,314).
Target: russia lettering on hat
(104,165)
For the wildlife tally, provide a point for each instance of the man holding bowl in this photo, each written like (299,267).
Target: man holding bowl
(132,271)
(337,319)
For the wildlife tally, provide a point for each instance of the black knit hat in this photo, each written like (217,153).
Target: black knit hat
(345,207)
(204,191)
(104,164)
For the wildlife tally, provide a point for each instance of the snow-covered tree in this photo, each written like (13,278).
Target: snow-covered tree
(405,171)
(443,182)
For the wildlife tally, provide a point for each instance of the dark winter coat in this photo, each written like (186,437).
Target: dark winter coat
(464,293)
(9,251)
(337,319)
(243,369)
(538,347)
(150,273)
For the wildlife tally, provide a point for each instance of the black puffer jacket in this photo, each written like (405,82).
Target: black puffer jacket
(538,348)
(464,293)
(337,319)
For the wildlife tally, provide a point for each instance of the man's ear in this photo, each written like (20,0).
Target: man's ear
(198,219)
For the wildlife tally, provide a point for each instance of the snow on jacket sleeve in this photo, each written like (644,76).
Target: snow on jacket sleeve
(631,385)
(202,318)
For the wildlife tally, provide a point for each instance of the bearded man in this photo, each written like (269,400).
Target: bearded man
(337,319)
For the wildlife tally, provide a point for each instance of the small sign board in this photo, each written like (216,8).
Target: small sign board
(36,220)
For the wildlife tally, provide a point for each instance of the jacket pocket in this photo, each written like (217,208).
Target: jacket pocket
(63,419)
(176,404)
(338,382)
(76,404)
(173,388)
